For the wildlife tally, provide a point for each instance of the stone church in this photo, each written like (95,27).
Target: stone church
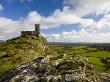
(36,32)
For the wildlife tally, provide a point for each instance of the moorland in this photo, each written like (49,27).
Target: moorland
(98,54)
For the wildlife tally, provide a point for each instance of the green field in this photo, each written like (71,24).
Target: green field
(98,55)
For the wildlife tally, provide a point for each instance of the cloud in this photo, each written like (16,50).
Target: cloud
(104,22)
(8,25)
(80,36)
(58,18)
(90,30)
(1,7)
(86,7)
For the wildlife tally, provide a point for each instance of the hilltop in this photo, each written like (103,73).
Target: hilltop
(29,58)
(23,49)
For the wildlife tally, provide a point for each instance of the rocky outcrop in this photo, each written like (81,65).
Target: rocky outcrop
(23,49)
(44,64)
(55,69)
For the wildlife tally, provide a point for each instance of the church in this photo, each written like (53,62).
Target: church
(35,32)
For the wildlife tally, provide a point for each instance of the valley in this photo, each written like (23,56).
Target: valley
(97,54)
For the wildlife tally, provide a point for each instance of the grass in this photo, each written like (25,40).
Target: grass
(101,54)
(21,50)
(94,54)
(26,48)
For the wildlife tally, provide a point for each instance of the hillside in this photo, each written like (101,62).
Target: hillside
(29,58)
(65,68)
(97,54)
(21,50)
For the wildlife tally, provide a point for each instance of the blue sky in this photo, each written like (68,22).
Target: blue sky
(19,8)
(61,20)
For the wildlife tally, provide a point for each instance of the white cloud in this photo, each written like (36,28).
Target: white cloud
(1,7)
(80,36)
(58,18)
(104,22)
(8,25)
(86,7)
(91,31)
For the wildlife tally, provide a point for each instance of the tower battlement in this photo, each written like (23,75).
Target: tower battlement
(35,32)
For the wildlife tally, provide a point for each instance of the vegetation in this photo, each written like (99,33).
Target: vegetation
(21,50)
(97,54)
(27,48)
(67,68)
(30,58)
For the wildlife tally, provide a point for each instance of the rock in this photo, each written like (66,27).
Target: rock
(105,77)
(74,77)
(47,69)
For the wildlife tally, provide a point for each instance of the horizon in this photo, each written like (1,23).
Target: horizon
(69,21)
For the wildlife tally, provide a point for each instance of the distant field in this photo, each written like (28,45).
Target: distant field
(97,54)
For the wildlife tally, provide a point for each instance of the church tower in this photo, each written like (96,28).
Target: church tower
(37,29)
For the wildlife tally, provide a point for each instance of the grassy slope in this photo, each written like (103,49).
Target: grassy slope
(23,49)
(93,54)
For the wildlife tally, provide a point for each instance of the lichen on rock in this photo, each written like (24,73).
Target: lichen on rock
(47,69)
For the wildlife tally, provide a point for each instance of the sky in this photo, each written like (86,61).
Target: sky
(61,20)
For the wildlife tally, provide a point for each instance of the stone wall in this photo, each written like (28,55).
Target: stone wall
(36,32)
(27,32)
